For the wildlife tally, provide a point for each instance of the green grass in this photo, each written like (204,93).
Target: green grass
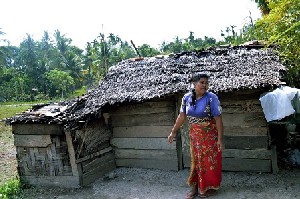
(9,183)
(10,110)
(10,189)
(6,136)
(78,93)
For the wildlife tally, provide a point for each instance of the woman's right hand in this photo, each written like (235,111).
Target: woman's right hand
(171,137)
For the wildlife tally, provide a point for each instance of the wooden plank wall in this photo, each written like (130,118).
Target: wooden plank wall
(245,134)
(94,154)
(97,166)
(140,134)
(90,138)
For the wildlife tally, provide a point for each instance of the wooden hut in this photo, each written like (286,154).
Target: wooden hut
(125,121)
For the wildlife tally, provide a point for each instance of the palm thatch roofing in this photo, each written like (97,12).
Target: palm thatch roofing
(137,80)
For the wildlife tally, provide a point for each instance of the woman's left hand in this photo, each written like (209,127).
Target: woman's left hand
(221,145)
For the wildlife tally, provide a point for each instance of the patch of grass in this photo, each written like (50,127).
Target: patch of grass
(7,111)
(78,93)
(8,162)
(10,188)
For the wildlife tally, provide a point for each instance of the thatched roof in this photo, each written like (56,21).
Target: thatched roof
(137,80)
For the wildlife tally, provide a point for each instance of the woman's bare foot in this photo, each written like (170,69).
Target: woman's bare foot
(193,193)
(210,192)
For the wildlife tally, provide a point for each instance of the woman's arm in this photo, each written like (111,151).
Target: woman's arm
(179,122)
(219,124)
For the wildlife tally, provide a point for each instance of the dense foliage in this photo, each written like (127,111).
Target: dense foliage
(281,27)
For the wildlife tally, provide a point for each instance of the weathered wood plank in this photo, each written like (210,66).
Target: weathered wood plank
(91,138)
(241,106)
(240,109)
(179,142)
(246,131)
(32,140)
(275,168)
(97,162)
(142,131)
(143,143)
(245,142)
(262,154)
(37,129)
(157,119)
(98,153)
(142,110)
(98,172)
(238,164)
(146,154)
(148,164)
(71,153)
(247,119)
(250,154)
(52,181)
(145,108)
(245,94)
(179,150)
(80,173)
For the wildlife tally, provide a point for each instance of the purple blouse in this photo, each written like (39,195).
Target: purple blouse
(207,106)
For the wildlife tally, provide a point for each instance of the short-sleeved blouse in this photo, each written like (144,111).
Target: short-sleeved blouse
(207,106)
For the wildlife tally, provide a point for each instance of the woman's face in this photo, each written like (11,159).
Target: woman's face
(201,86)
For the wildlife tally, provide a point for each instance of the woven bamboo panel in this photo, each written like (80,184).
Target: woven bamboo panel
(52,160)
(91,138)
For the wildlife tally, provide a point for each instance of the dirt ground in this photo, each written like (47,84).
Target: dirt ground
(132,183)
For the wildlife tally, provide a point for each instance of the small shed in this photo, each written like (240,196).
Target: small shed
(125,121)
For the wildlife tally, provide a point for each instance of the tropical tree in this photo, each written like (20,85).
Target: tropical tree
(188,44)
(175,46)
(60,83)
(104,52)
(263,6)
(146,50)
(281,28)
(4,50)
(26,62)
(68,58)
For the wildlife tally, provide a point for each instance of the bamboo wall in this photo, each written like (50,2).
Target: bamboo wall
(49,156)
(140,134)
(42,155)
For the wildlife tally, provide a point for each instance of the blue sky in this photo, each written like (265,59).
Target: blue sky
(143,21)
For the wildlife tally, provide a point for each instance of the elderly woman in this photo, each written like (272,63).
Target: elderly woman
(203,111)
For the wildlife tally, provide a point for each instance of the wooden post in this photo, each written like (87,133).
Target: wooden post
(274,159)
(178,137)
(136,50)
(71,153)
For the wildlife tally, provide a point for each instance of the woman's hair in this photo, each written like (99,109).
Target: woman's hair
(195,78)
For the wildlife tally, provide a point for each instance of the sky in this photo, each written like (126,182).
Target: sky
(142,21)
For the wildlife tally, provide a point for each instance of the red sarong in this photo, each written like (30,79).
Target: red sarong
(206,159)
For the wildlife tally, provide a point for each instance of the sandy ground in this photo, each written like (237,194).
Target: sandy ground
(129,183)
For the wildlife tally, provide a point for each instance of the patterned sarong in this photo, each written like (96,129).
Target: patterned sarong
(206,159)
